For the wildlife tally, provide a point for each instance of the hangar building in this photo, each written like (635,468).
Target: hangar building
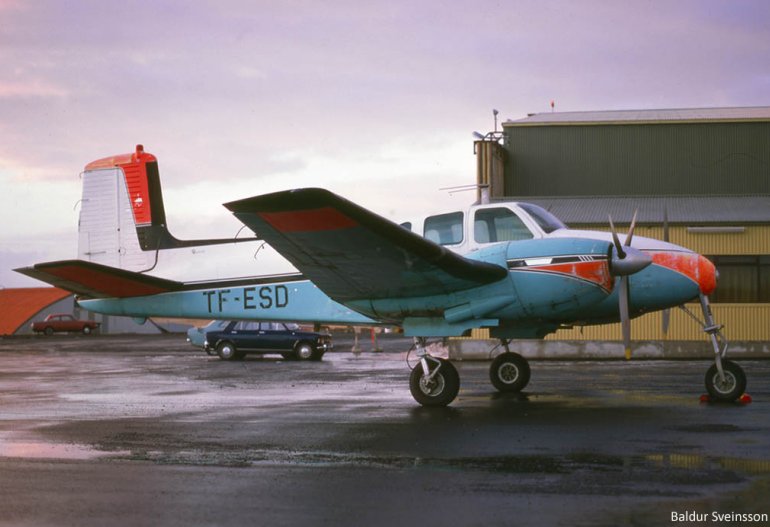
(703,172)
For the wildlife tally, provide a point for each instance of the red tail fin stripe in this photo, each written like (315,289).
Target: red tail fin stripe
(135,169)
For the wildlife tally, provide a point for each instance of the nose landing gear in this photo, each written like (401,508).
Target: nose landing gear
(725,380)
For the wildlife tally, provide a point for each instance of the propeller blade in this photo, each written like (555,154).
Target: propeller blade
(616,240)
(625,319)
(666,238)
(630,235)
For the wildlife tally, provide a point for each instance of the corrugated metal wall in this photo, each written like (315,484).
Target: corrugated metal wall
(638,159)
(742,322)
(755,239)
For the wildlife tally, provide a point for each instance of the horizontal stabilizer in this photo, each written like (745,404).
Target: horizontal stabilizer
(98,281)
(351,253)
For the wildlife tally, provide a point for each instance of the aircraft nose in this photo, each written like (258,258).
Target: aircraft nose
(707,275)
(694,266)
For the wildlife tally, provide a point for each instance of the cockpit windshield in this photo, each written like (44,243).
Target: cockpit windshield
(547,221)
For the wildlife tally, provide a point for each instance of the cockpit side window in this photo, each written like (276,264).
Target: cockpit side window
(547,221)
(444,229)
(499,225)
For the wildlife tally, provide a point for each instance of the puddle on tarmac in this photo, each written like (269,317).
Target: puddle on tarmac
(18,447)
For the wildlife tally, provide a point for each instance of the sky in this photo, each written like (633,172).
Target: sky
(374,100)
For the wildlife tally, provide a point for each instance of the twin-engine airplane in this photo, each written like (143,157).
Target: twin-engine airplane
(510,267)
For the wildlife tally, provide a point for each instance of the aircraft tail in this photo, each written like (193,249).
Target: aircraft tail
(122,216)
(99,281)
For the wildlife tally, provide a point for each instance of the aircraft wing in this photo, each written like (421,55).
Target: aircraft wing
(351,253)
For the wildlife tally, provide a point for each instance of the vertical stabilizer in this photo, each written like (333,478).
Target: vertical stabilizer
(122,217)
(115,202)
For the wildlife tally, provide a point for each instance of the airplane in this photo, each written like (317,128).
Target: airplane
(510,267)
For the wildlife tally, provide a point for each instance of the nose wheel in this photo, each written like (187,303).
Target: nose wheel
(728,385)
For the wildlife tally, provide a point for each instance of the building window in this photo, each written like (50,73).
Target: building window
(742,279)
(499,224)
(445,229)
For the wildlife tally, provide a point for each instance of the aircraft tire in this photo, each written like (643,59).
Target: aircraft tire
(734,385)
(509,372)
(443,388)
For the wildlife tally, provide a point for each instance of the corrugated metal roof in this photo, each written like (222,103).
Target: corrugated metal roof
(681,115)
(19,305)
(693,210)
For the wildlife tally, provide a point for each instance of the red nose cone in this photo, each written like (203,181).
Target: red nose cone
(707,275)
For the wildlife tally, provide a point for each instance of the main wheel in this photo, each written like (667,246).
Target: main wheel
(439,390)
(228,351)
(509,372)
(733,386)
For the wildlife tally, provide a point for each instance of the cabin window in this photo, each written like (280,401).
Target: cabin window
(499,225)
(407,225)
(444,229)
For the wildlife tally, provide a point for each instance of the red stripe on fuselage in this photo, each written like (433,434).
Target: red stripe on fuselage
(323,219)
(596,272)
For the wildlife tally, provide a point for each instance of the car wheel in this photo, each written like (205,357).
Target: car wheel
(227,351)
(86,330)
(303,351)
(48,331)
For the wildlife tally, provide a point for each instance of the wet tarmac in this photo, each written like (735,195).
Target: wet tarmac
(149,431)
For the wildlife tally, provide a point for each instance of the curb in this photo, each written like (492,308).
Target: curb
(604,350)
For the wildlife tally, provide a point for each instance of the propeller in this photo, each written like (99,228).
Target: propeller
(667,311)
(626,261)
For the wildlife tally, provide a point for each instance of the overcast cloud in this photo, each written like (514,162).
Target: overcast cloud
(374,100)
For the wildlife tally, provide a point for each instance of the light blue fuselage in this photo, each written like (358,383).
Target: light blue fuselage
(528,303)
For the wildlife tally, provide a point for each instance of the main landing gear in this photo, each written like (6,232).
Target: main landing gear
(436,382)
(725,380)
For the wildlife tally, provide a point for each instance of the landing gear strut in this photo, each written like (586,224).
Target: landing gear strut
(725,380)
(433,381)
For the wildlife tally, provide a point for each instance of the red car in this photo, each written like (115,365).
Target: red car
(60,323)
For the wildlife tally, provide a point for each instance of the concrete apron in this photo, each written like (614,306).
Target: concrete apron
(603,350)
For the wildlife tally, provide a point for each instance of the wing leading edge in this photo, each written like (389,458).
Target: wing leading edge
(351,253)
